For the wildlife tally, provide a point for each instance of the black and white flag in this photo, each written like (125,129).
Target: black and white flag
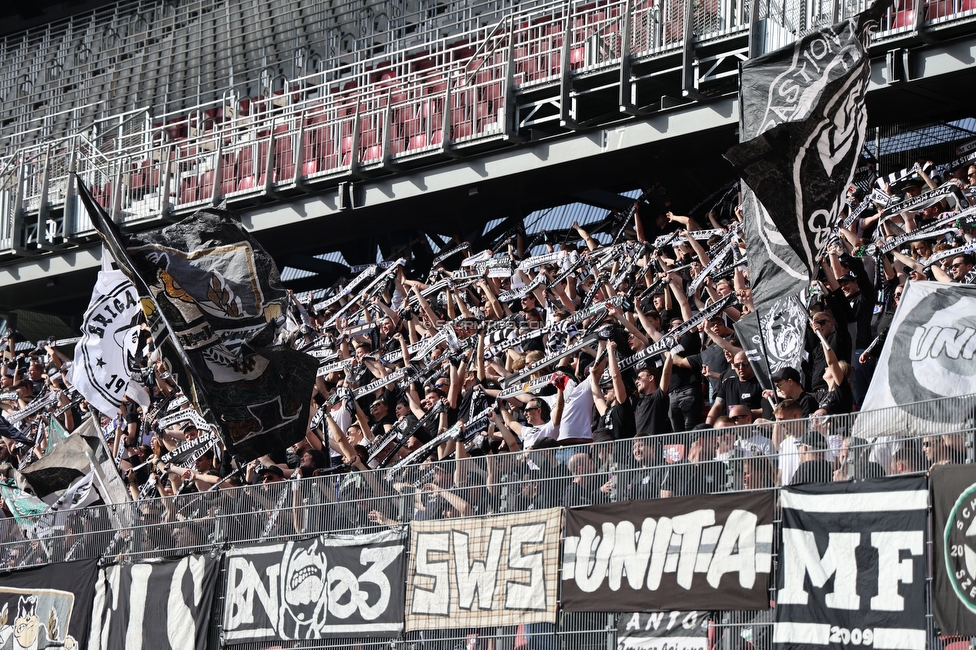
(107,356)
(154,605)
(927,357)
(316,588)
(803,124)
(954,544)
(802,127)
(852,565)
(783,331)
(215,296)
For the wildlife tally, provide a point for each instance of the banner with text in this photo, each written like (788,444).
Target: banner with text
(852,565)
(954,548)
(159,605)
(705,552)
(316,588)
(927,357)
(483,572)
(663,631)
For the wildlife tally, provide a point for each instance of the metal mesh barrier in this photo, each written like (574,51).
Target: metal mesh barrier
(740,458)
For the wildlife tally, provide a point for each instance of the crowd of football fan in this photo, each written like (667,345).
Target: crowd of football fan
(693,419)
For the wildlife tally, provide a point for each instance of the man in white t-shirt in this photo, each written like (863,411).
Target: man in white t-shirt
(538,424)
(787,432)
(751,442)
(576,425)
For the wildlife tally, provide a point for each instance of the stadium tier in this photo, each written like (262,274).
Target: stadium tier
(353,382)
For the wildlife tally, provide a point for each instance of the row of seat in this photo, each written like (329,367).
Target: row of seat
(411,110)
(545,36)
(934,9)
(326,147)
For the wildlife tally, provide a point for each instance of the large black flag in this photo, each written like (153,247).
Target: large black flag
(217,294)
(803,123)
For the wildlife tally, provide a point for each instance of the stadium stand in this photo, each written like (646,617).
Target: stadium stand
(166,108)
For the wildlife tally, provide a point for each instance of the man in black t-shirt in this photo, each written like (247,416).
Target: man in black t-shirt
(615,416)
(651,403)
(644,480)
(742,387)
(584,490)
(788,386)
(379,416)
(700,473)
(685,388)
(814,468)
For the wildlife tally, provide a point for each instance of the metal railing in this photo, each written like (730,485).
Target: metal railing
(905,439)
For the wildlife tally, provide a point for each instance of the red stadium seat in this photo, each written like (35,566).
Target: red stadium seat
(206,185)
(228,174)
(902,19)
(188,189)
(284,159)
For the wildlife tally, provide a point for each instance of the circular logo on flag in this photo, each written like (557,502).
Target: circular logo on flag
(960,547)
(932,352)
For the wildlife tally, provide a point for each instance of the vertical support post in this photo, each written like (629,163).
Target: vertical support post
(625,99)
(567,116)
(689,81)
(42,205)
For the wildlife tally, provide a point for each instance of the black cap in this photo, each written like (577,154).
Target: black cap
(786,373)
(847,277)
(272,469)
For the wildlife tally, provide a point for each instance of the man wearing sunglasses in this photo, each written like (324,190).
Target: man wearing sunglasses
(961,265)
(538,424)
(740,387)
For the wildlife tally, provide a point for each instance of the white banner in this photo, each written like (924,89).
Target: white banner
(483,572)
(927,355)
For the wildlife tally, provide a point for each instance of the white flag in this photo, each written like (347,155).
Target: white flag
(927,357)
(107,355)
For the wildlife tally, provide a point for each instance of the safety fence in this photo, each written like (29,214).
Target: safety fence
(901,440)
(453,96)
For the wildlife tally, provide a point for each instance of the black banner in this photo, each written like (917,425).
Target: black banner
(216,293)
(709,552)
(663,631)
(852,565)
(954,583)
(316,588)
(48,606)
(155,605)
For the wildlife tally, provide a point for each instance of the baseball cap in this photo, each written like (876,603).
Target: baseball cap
(786,373)
(272,469)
